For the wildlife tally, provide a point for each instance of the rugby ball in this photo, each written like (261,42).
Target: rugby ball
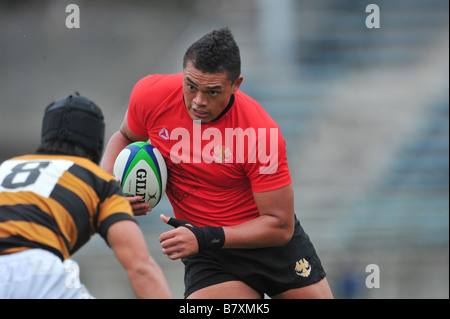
(142,171)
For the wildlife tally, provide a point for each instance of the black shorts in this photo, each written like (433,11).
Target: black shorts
(270,271)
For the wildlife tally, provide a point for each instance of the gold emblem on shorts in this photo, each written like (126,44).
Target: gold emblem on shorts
(303,268)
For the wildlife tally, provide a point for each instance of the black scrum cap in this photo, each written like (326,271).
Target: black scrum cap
(76,119)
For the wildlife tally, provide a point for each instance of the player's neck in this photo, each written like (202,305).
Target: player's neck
(230,104)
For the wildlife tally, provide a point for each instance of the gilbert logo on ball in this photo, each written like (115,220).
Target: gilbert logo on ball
(142,172)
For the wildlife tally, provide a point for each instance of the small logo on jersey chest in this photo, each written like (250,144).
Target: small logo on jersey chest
(164,134)
(222,154)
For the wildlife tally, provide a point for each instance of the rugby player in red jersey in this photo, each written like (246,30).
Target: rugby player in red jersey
(228,180)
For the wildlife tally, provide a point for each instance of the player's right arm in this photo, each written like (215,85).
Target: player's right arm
(146,277)
(117,143)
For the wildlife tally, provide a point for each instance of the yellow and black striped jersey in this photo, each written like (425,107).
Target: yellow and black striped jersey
(56,203)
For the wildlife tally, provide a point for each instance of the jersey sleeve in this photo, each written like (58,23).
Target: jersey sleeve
(113,207)
(270,170)
(146,96)
(139,107)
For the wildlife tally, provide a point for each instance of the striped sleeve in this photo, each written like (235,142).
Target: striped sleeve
(111,206)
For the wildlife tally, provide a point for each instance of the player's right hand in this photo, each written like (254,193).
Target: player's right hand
(139,208)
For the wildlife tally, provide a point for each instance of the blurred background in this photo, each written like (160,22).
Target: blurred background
(364,111)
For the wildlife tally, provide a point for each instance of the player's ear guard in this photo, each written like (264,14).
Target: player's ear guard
(208,237)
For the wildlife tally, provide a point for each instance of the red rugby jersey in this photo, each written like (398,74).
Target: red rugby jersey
(212,168)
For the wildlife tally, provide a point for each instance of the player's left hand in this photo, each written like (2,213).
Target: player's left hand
(179,242)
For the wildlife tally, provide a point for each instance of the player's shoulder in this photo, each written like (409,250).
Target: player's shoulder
(158,82)
(155,88)
(85,165)
(89,166)
(253,111)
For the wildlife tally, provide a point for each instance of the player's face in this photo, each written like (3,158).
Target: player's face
(207,95)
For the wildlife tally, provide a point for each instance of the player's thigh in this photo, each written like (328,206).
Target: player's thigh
(319,290)
(226,290)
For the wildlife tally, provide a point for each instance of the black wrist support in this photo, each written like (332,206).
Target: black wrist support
(208,237)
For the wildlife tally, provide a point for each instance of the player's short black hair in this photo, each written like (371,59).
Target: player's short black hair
(215,52)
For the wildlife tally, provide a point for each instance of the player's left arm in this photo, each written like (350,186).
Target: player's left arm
(274,226)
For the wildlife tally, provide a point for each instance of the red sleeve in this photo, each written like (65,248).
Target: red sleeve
(271,169)
(146,96)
